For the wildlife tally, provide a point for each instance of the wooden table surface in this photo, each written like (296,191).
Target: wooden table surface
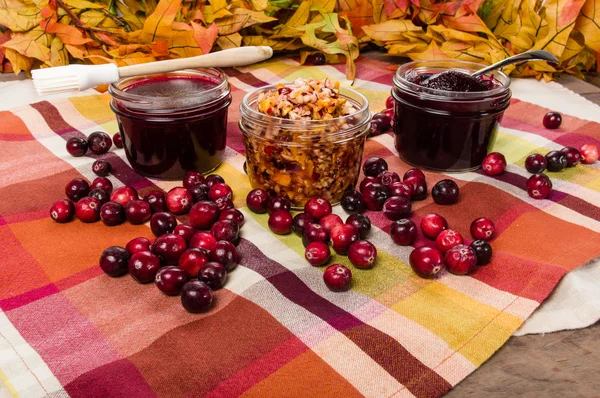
(562,364)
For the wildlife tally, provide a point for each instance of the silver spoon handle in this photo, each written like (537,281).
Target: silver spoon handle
(536,55)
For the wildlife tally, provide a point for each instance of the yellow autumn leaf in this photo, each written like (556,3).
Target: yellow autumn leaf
(327,5)
(210,14)
(58,53)
(18,61)
(575,44)
(32,44)
(158,24)
(588,23)
(83,4)
(255,16)
(232,24)
(390,30)
(229,41)
(431,52)
(260,5)
(20,19)
(561,16)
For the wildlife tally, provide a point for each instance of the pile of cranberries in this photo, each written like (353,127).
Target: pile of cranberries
(539,185)
(318,226)
(384,120)
(98,143)
(190,260)
(450,250)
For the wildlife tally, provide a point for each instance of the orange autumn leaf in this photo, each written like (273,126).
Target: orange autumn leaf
(158,24)
(68,34)
(205,37)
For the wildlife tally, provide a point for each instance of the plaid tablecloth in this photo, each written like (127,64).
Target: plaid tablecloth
(68,329)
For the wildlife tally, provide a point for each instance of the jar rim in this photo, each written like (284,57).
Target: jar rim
(144,102)
(464,66)
(254,115)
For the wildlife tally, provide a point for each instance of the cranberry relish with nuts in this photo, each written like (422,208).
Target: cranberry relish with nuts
(304,139)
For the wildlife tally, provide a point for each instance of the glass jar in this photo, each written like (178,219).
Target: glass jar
(172,123)
(446,130)
(302,159)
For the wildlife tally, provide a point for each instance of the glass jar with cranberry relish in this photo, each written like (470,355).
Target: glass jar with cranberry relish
(443,130)
(172,123)
(302,159)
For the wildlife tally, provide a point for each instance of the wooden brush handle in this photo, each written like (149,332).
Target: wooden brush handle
(232,57)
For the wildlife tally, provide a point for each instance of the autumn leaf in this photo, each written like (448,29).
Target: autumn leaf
(205,37)
(561,21)
(19,62)
(390,30)
(58,53)
(229,41)
(33,44)
(158,24)
(68,34)
(588,23)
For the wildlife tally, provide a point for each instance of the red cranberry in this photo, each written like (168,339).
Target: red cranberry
(352,202)
(539,186)
(375,195)
(185,231)
(418,187)
(114,260)
(447,239)
(214,179)
(203,215)
(140,244)
(330,221)
(192,178)
(88,209)
(375,128)
(556,161)
(389,102)
(124,195)
(224,203)
(426,261)
(367,181)
(192,260)
(203,240)
(258,201)
(278,203)
(162,223)
(299,223)
(400,189)
(483,228)
(77,188)
(342,237)
(170,280)
(403,232)
(169,247)
(396,208)
(535,163)
(62,211)
(228,230)
(179,200)
(384,120)
(445,192)
(362,254)
(137,211)
(387,178)
(573,156)
(196,296)
(589,153)
(143,266)
(317,253)
(280,222)
(112,213)
(483,250)
(317,208)
(460,260)
(432,224)
(156,200)
(361,222)
(414,172)
(101,168)
(389,112)
(374,166)
(219,190)
(552,120)
(213,274)
(117,140)
(314,233)
(315,59)
(199,192)
(225,253)
(232,214)
(494,164)
(99,142)
(77,146)
(337,278)
(99,194)
(102,183)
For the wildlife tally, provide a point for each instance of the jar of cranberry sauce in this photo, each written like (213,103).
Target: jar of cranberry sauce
(444,130)
(173,122)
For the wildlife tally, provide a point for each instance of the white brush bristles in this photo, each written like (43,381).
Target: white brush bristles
(62,79)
